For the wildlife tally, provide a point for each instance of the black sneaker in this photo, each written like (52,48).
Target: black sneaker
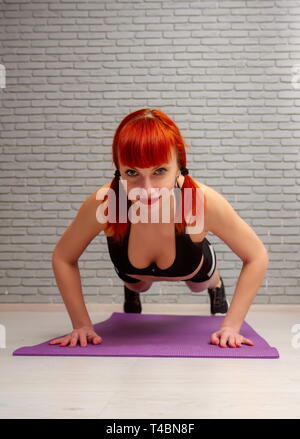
(132,301)
(218,302)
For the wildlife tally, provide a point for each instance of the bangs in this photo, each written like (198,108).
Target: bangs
(145,143)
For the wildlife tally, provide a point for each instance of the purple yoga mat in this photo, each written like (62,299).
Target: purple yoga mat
(158,335)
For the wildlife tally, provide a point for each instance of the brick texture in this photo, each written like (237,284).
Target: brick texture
(227,72)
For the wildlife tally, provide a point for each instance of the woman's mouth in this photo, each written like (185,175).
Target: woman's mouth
(149,201)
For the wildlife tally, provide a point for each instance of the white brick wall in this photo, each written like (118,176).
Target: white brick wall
(228,72)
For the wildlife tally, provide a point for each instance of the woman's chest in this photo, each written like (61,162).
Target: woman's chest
(158,245)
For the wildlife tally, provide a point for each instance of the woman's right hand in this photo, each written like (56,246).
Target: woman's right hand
(84,335)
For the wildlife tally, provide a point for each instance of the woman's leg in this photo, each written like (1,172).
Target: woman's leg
(197,287)
(139,287)
(208,276)
(213,282)
(132,292)
(210,279)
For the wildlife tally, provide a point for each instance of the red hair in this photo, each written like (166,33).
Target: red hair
(144,139)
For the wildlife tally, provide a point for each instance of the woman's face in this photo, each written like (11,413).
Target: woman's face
(150,179)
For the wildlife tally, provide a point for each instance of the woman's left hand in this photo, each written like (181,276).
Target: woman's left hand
(231,336)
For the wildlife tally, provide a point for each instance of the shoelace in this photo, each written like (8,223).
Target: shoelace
(218,297)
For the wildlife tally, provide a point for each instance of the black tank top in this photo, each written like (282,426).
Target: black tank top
(188,257)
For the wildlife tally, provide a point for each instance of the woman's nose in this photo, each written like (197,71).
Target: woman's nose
(148,187)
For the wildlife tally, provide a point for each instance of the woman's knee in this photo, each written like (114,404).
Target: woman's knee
(197,287)
(139,287)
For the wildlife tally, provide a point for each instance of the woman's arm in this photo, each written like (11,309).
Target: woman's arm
(248,284)
(222,220)
(66,254)
(69,284)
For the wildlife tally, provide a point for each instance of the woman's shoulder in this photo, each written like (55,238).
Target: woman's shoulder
(209,192)
(103,188)
(212,199)
(200,184)
(98,195)
(217,208)
(105,185)
(206,190)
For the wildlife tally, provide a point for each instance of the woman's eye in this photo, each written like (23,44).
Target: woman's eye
(161,169)
(132,170)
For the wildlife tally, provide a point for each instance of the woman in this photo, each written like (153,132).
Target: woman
(149,154)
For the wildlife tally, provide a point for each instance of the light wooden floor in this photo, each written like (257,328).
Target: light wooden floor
(146,388)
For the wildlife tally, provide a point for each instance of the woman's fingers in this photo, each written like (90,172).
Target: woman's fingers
(247,341)
(52,342)
(74,339)
(214,338)
(225,339)
(78,336)
(94,338)
(66,341)
(231,341)
(97,339)
(83,340)
(57,340)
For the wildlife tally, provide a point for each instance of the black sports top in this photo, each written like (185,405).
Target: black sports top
(188,257)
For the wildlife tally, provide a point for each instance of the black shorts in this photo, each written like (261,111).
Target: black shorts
(209,264)
(204,274)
